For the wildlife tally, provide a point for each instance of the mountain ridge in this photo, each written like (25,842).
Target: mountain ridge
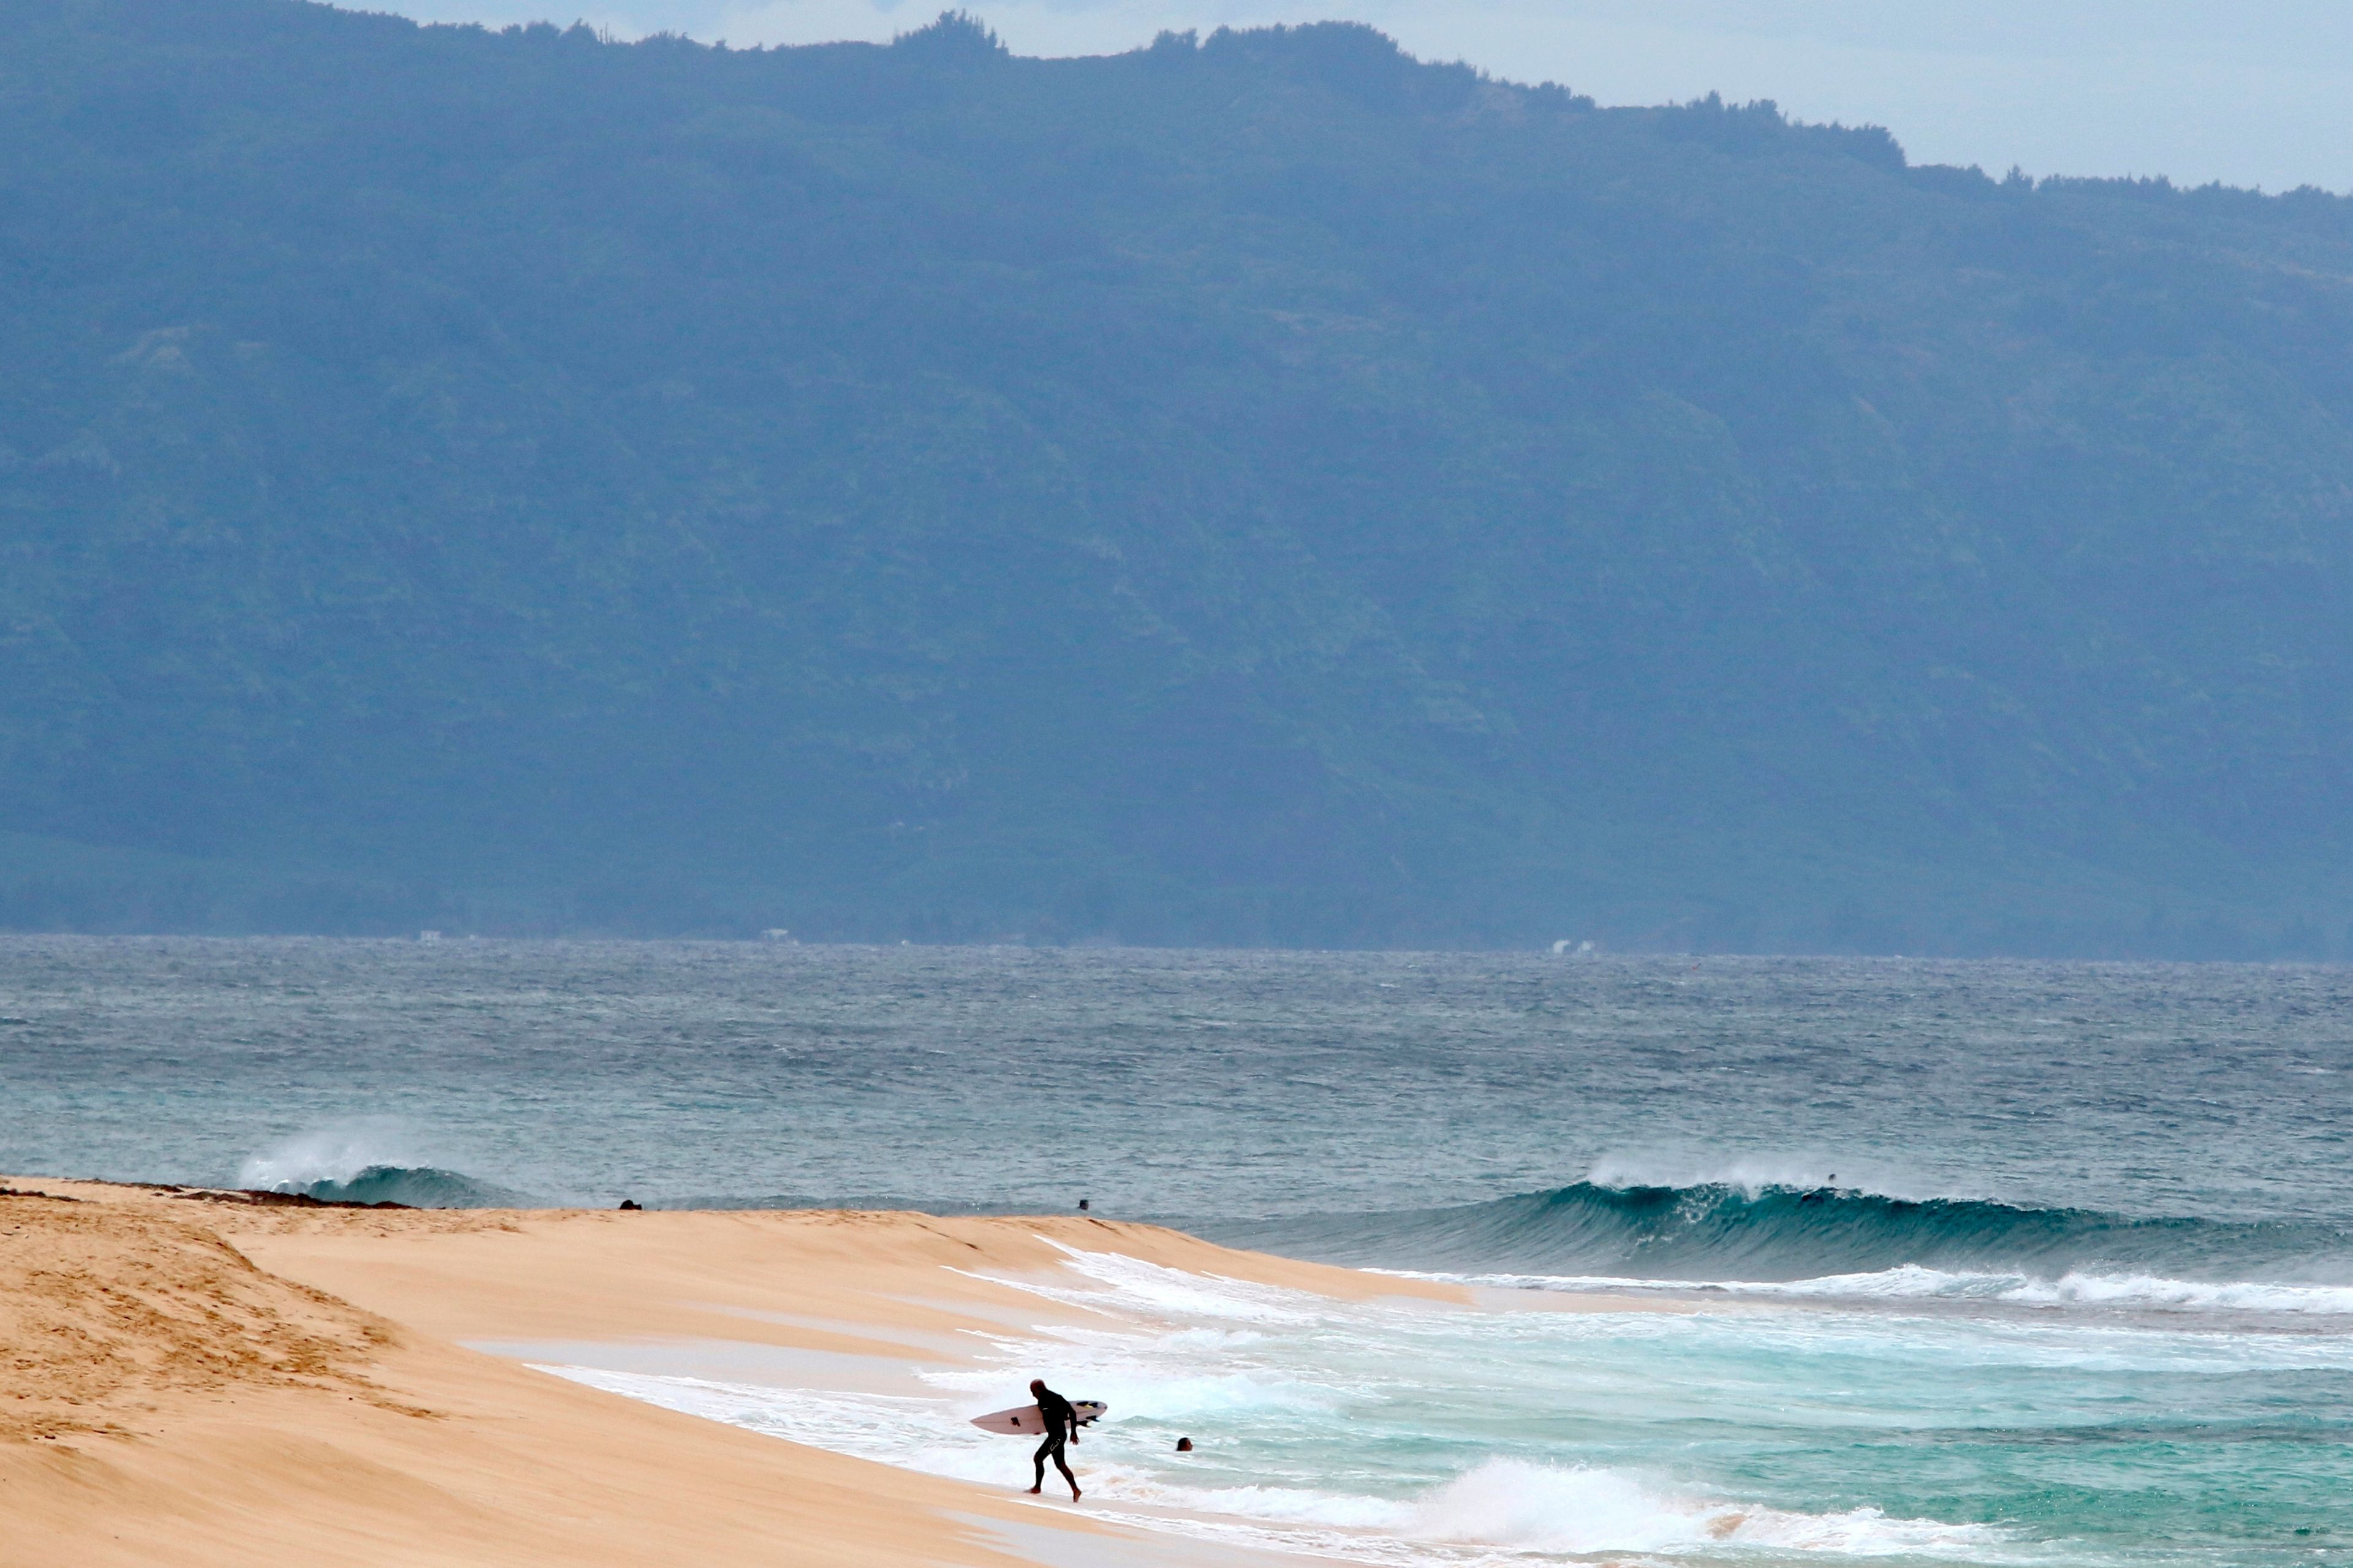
(1258,489)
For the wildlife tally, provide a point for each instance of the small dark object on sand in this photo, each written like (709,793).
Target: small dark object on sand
(1184,1445)
(633,1205)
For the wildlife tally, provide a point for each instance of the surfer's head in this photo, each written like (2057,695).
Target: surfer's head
(1036,1385)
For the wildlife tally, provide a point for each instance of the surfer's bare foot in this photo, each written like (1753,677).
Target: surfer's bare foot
(1036,1490)
(1074,1494)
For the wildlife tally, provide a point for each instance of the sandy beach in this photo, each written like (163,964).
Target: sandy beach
(198,1381)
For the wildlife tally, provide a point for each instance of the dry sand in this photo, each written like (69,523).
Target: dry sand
(195,1381)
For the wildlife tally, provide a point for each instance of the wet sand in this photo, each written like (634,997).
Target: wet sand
(200,1382)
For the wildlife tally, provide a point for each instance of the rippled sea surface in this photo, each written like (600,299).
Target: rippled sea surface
(1994,1262)
(1203,1084)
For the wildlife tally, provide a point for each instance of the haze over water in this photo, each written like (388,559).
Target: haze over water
(1998,1262)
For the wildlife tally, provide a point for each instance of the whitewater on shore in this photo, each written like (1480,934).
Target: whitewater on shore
(1530,1426)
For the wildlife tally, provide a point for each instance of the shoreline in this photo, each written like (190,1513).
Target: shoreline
(204,1379)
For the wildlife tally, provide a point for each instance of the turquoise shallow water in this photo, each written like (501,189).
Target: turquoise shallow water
(1996,1263)
(1407,1434)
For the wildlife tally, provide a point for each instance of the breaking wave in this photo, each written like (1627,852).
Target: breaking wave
(417,1187)
(367,1165)
(1832,1242)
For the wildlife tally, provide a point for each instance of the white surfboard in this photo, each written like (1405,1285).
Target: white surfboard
(1028,1421)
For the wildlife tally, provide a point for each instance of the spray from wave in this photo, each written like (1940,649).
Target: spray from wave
(368,1164)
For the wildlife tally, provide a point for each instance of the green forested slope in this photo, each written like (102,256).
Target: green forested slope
(1257,488)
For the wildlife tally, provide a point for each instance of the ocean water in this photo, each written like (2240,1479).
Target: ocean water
(2000,1263)
(1402,1433)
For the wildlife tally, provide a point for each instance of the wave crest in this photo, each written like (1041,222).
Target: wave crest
(368,1164)
(414,1186)
(1714,1232)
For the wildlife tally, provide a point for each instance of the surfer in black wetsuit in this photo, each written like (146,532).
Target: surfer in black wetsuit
(1061,1426)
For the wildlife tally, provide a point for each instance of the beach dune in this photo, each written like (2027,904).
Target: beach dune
(196,1380)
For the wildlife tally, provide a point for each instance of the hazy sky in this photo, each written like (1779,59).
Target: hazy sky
(2258,92)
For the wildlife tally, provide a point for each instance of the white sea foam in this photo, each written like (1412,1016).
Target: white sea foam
(1523,1507)
(1138,1377)
(1161,1290)
(1542,1508)
(1132,1284)
(2150,1292)
(1914,1282)
(1506,1504)
(1316,1412)
(915,1434)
